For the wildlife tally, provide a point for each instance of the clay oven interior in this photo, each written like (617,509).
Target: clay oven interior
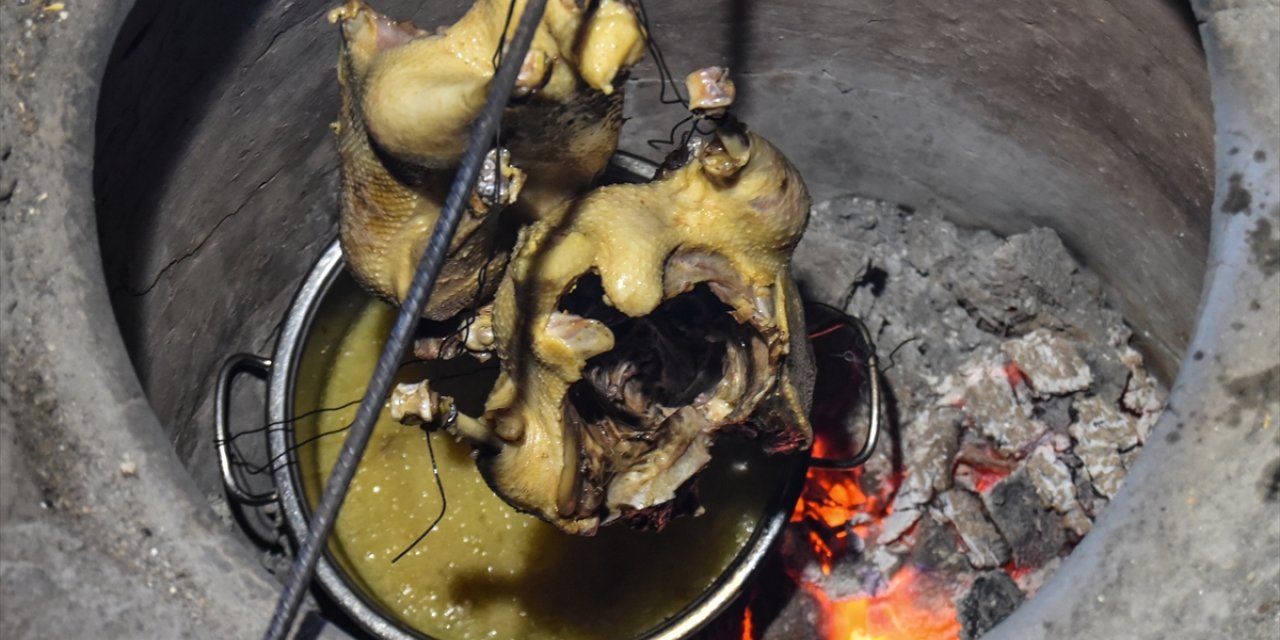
(215,174)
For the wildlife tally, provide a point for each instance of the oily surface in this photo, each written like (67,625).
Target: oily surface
(729,218)
(408,100)
(488,571)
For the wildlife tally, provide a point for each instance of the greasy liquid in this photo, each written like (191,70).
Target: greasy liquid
(487,571)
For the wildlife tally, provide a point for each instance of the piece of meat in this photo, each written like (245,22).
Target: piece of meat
(637,324)
(408,100)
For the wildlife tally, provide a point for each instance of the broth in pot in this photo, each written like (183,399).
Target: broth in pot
(485,570)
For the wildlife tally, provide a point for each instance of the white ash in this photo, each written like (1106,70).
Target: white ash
(1101,433)
(1051,363)
(1052,479)
(1143,395)
(983,545)
(929,458)
(992,406)
(1017,402)
(866,573)
(1053,482)
(896,524)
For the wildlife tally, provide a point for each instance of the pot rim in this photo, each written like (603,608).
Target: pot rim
(281,383)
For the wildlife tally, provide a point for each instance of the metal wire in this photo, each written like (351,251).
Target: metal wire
(875,401)
(424,280)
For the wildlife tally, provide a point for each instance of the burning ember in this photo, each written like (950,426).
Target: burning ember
(910,608)
(839,518)
(1015,408)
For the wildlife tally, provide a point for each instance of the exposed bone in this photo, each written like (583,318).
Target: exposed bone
(474,337)
(710,91)
(414,403)
(655,479)
(498,184)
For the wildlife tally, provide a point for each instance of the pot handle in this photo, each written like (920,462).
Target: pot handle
(234,364)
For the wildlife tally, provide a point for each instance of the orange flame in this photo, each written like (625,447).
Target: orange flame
(837,514)
(748,628)
(907,610)
(834,498)
(913,606)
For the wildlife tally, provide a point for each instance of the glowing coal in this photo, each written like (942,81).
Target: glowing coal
(1016,407)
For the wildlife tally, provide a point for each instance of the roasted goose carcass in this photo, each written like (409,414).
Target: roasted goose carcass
(637,323)
(408,99)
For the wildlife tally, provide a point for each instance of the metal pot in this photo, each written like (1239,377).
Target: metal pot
(282,373)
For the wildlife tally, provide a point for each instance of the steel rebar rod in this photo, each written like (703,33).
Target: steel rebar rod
(483,132)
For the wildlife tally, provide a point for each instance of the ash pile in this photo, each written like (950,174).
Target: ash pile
(1016,405)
